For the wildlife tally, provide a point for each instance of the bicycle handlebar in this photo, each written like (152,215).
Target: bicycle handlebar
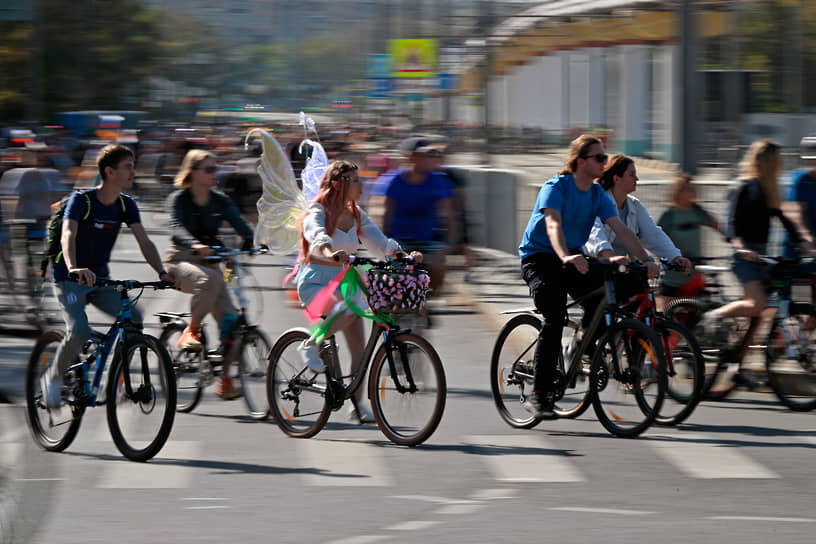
(128,285)
(222,253)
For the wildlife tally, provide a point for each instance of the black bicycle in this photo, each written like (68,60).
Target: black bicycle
(788,348)
(621,370)
(196,369)
(140,393)
(406,382)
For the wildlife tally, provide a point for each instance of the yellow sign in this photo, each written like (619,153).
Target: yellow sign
(413,58)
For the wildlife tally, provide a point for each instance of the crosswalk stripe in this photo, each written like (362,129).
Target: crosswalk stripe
(511,460)
(699,459)
(344,463)
(158,473)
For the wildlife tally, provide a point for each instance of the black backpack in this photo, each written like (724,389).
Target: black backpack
(53,245)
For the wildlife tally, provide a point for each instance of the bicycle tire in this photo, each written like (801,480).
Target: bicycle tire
(187,367)
(688,312)
(790,358)
(415,354)
(686,371)
(142,398)
(41,358)
(252,362)
(507,369)
(615,383)
(287,379)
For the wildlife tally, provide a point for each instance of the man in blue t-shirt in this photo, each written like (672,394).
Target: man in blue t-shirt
(801,205)
(419,206)
(88,237)
(551,260)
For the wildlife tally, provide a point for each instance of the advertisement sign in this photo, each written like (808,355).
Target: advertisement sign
(413,57)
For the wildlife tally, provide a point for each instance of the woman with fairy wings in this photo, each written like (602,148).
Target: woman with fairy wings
(327,230)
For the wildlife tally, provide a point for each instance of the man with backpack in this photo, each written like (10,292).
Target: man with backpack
(90,224)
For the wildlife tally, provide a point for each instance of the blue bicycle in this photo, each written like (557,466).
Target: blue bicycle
(140,394)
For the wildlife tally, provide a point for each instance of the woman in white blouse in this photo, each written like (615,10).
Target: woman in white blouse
(332,230)
(619,180)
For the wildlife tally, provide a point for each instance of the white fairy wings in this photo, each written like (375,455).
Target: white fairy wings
(282,202)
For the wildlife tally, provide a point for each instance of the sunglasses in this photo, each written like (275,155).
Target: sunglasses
(600,157)
(209,169)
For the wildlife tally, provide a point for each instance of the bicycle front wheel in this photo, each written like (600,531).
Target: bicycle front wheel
(187,365)
(407,399)
(511,370)
(686,372)
(296,395)
(141,397)
(790,358)
(254,354)
(50,436)
(628,378)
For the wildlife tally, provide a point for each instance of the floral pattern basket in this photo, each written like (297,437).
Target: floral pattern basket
(398,288)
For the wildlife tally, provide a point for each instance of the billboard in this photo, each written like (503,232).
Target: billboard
(413,57)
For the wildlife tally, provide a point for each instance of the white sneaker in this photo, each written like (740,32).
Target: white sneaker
(51,391)
(311,358)
(360,414)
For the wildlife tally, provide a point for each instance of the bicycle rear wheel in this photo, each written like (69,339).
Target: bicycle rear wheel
(628,378)
(187,367)
(790,358)
(141,397)
(511,370)
(51,433)
(686,371)
(408,400)
(296,395)
(252,362)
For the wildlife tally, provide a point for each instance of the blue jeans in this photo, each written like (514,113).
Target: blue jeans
(73,298)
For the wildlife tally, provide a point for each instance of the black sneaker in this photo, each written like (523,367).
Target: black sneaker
(539,405)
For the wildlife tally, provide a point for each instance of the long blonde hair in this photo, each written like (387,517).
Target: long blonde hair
(191,161)
(763,162)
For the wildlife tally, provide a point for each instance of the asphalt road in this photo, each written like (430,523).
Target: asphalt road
(741,469)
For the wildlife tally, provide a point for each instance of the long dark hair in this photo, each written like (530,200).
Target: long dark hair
(616,166)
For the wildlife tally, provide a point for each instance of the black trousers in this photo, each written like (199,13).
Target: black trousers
(550,281)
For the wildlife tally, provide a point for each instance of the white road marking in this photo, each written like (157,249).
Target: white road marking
(154,474)
(494,494)
(520,466)
(413,525)
(589,510)
(460,509)
(762,518)
(362,539)
(344,464)
(709,461)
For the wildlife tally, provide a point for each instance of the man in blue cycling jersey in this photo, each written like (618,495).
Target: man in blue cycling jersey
(552,263)
(90,227)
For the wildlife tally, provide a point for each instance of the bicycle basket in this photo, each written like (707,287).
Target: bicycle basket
(398,288)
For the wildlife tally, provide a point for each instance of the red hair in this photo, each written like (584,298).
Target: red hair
(332,196)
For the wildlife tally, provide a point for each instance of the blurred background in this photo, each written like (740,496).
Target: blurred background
(681,85)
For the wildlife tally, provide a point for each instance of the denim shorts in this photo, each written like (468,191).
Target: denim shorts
(747,271)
